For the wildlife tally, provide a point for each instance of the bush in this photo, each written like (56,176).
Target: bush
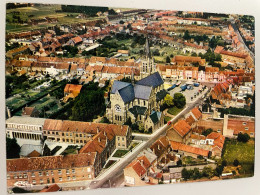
(224,163)
(243,137)
(236,163)
(179,163)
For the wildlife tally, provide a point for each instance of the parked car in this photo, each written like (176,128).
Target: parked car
(169,123)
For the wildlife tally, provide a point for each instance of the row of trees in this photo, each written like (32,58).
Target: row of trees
(89,10)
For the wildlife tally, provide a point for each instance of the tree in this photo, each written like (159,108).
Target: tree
(185,174)
(179,100)
(12,148)
(168,100)
(88,103)
(186,35)
(236,163)
(207,172)
(224,163)
(243,137)
(196,174)
(121,22)
(207,132)
(219,170)
(179,163)
(168,59)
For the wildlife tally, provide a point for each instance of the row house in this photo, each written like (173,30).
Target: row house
(51,169)
(234,124)
(179,132)
(75,132)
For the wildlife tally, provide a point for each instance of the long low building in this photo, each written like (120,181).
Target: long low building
(51,169)
(99,141)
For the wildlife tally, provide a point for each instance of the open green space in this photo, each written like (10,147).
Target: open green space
(166,119)
(120,153)
(174,110)
(188,160)
(243,152)
(70,150)
(133,145)
(39,12)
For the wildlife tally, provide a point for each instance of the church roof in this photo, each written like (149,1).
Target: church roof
(153,80)
(138,110)
(117,85)
(155,116)
(142,92)
(127,93)
(147,49)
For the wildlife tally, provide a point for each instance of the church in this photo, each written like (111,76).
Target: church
(139,101)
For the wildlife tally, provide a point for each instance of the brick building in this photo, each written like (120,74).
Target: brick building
(51,169)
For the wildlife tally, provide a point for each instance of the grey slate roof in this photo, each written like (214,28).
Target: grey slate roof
(155,116)
(153,80)
(138,110)
(142,92)
(127,93)
(117,85)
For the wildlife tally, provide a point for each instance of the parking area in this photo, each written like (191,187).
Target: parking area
(191,93)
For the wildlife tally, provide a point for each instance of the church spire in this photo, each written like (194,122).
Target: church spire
(147,48)
(132,77)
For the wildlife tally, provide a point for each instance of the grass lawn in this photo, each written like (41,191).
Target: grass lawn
(134,144)
(174,110)
(120,153)
(166,119)
(243,152)
(70,150)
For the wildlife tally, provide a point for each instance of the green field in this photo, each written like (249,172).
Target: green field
(174,110)
(243,152)
(39,12)
(120,153)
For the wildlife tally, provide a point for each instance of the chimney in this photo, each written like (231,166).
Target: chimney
(99,139)
(97,130)
(142,162)
(158,147)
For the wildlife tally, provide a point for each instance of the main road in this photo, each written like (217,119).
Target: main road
(117,169)
(241,39)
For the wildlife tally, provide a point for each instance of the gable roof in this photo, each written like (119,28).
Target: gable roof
(155,116)
(182,127)
(50,162)
(137,110)
(197,114)
(28,111)
(127,93)
(140,165)
(142,92)
(153,80)
(187,148)
(52,188)
(117,85)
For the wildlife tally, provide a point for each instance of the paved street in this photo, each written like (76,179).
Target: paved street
(241,39)
(117,169)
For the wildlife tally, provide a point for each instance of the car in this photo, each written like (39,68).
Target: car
(169,123)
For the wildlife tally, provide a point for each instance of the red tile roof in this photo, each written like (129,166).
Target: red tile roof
(218,139)
(195,111)
(52,188)
(50,162)
(182,127)
(140,165)
(189,149)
